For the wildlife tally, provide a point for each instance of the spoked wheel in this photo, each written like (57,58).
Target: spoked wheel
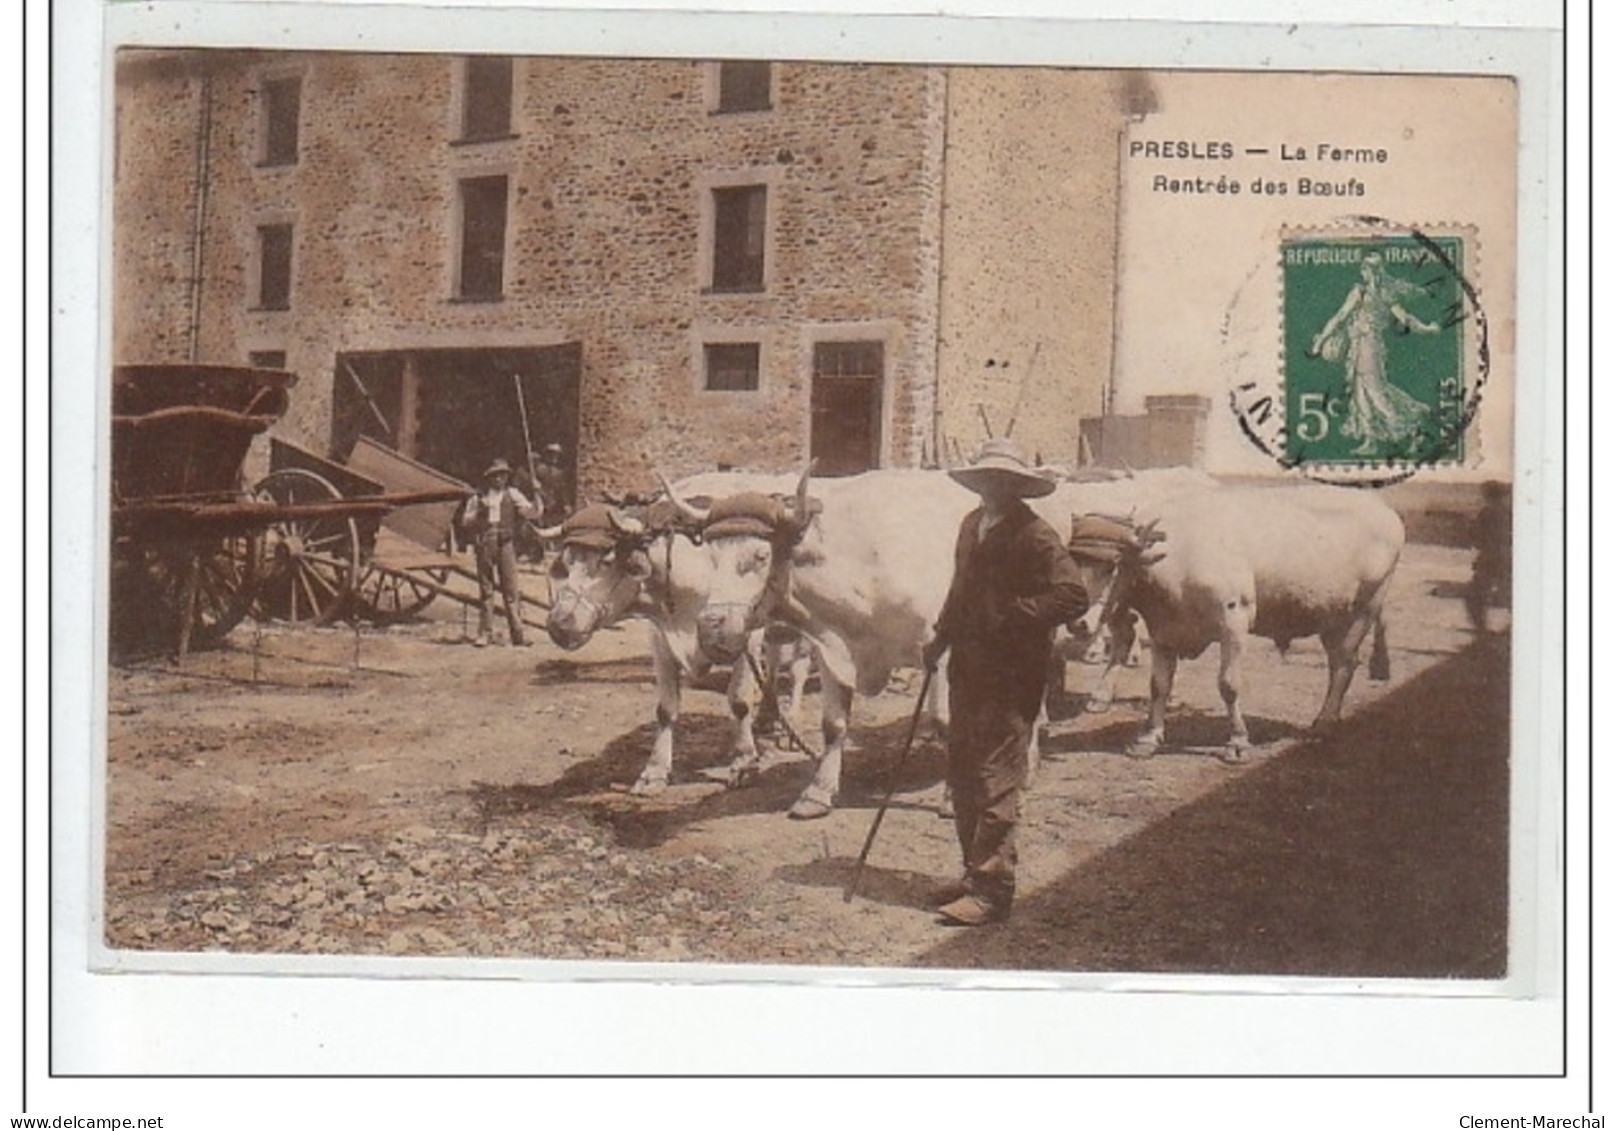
(399,581)
(309,564)
(228,569)
(157,586)
(387,596)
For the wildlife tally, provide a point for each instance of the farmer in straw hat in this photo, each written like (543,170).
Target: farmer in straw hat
(1013,582)
(491,517)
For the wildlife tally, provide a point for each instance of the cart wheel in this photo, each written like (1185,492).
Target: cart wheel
(388,596)
(227,584)
(309,564)
(150,586)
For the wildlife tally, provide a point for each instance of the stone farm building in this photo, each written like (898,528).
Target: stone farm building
(669,264)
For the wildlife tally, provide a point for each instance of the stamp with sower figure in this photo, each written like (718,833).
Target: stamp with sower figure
(1383,353)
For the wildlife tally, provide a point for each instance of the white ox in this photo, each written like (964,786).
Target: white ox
(1109,633)
(655,573)
(866,581)
(1280,562)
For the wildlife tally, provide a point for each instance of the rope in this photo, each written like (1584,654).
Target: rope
(773,696)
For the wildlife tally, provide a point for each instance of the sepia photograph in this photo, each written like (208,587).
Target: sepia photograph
(553,512)
(788,505)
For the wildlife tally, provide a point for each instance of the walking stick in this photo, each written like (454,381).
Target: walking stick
(891,788)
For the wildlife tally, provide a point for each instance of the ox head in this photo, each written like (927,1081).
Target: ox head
(599,574)
(1109,553)
(748,538)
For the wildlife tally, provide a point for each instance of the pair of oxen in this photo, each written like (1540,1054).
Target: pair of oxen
(859,566)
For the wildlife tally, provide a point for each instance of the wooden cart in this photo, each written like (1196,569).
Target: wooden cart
(194,549)
(383,565)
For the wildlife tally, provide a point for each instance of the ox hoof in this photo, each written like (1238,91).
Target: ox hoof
(1096,705)
(809,809)
(1233,754)
(1142,749)
(648,787)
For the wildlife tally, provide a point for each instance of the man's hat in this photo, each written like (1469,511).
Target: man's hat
(497,467)
(553,449)
(1000,461)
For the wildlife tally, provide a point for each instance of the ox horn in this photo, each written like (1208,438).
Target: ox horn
(802,487)
(625,524)
(550,533)
(803,514)
(694,514)
(1148,538)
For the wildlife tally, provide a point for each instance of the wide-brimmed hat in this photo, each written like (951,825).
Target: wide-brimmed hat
(497,467)
(1000,461)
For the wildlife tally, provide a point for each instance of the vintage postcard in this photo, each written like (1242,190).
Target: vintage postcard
(342,280)
(542,518)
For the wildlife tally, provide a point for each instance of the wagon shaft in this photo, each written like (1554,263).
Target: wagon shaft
(183,514)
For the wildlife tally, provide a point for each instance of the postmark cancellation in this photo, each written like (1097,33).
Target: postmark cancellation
(1383,353)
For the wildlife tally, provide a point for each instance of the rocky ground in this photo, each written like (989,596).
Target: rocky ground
(399,792)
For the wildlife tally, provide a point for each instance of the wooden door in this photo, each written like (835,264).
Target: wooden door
(847,398)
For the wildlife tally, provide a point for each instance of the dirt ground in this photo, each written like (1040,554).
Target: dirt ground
(397,791)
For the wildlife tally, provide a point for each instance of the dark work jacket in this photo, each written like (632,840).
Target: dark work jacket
(1009,592)
(549,484)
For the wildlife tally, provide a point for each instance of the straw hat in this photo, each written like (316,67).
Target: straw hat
(1001,462)
(497,467)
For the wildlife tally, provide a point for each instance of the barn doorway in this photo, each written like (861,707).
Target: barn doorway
(848,390)
(458,409)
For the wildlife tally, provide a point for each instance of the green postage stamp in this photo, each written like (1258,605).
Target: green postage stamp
(1378,330)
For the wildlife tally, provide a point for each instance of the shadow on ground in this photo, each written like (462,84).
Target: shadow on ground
(894,887)
(1381,851)
(702,749)
(550,673)
(1187,732)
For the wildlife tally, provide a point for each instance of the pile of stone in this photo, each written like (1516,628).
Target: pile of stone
(560,891)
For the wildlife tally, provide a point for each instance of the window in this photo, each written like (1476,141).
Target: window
(275,267)
(733,366)
(282,104)
(485,114)
(739,228)
(744,86)
(849,359)
(267,359)
(483,202)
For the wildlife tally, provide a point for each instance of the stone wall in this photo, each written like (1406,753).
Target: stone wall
(610,170)
(155,190)
(965,218)
(1029,255)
